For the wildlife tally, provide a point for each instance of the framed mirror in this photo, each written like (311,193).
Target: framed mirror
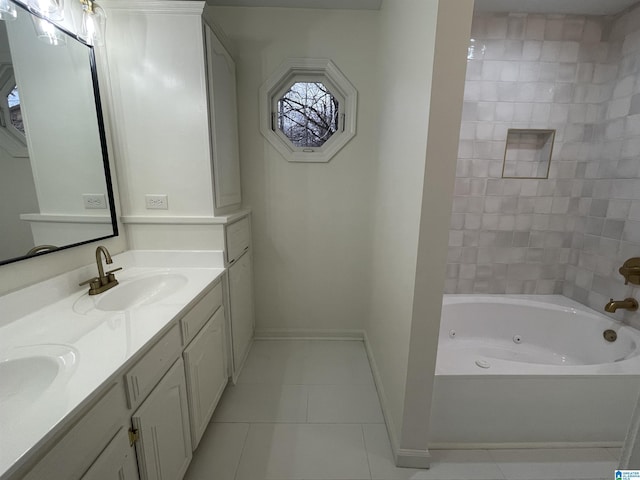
(55,184)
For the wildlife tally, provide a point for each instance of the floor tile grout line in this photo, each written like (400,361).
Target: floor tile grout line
(495,462)
(366,450)
(615,456)
(298,423)
(272,422)
(244,444)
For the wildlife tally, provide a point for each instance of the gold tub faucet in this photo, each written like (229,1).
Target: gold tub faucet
(630,304)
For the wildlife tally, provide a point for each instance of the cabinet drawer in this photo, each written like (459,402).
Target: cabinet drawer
(141,379)
(82,444)
(195,318)
(237,237)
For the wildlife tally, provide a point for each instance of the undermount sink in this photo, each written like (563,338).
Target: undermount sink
(26,372)
(134,293)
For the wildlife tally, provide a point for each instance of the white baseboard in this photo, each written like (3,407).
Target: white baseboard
(238,370)
(307,334)
(402,457)
(520,445)
(413,458)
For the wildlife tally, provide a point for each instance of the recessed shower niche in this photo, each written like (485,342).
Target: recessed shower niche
(528,153)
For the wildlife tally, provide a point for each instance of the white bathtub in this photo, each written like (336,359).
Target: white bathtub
(531,371)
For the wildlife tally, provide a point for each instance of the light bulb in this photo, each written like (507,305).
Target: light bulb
(93,22)
(48,33)
(52,9)
(8,10)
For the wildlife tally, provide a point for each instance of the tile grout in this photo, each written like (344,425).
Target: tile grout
(366,450)
(309,387)
(244,443)
(495,462)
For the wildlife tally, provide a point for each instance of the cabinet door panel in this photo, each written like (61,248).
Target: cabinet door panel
(223,119)
(81,445)
(204,361)
(116,462)
(241,299)
(162,421)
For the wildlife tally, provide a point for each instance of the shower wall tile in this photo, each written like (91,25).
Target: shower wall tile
(569,234)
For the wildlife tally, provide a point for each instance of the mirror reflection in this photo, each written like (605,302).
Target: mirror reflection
(55,189)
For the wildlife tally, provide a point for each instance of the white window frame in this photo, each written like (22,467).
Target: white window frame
(308,70)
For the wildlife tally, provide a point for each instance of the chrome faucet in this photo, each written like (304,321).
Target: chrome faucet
(630,304)
(104,281)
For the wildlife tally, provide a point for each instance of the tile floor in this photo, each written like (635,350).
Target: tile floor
(308,410)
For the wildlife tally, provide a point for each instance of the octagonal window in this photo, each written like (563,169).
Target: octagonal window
(308,114)
(308,110)
(15,112)
(12,126)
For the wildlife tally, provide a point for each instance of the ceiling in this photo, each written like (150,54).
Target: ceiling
(581,7)
(332,4)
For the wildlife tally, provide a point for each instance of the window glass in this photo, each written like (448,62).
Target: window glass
(15,113)
(308,114)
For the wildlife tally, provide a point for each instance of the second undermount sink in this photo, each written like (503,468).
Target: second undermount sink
(26,372)
(141,291)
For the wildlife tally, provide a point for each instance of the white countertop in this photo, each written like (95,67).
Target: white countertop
(57,318)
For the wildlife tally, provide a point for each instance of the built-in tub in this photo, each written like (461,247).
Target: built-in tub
(531,371)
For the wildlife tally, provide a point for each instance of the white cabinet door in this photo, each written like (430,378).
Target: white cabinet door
(241,306)
(116,462)
(223,121)
(162,421)
(204,361)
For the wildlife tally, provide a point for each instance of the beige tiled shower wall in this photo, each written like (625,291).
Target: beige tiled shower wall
(580,76)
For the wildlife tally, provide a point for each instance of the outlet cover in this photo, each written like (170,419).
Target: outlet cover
(94,200)
(156,202)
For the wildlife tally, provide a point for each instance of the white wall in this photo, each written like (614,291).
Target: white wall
(406,62)
(423,73)
(157,72)
(16,184)
(447,87)
(311,222)
(337,244)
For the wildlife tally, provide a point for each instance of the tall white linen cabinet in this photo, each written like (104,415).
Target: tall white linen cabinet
(172,102)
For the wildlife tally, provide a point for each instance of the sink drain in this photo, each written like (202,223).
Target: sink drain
(610,335)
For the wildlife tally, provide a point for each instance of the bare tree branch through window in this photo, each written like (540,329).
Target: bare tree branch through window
(308,114)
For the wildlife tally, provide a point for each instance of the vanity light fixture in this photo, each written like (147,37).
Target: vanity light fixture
(93,24)
(8,10)
(51,9)
(48,33)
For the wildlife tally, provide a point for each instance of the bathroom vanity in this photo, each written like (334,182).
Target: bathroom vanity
(117,385)
(123,384)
